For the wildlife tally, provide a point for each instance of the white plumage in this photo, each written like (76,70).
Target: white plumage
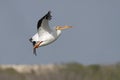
(45,35)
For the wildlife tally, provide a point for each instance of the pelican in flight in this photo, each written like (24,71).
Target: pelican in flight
(45,35)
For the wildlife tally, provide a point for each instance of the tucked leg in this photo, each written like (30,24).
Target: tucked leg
(37,44)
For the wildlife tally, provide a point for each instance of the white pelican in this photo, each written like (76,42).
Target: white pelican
(45,35)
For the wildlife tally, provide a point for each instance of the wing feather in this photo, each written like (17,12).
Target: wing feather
(43,24)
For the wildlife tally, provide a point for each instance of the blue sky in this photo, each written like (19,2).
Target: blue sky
(94,38)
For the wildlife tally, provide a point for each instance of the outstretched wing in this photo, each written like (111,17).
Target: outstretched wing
(43,25)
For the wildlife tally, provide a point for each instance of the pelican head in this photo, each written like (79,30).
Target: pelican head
(63,27)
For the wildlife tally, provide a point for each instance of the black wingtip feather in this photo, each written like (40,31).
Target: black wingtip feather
(30,39)
(47,16)
(34,51)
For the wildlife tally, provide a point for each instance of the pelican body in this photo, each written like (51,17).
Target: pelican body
(45,35)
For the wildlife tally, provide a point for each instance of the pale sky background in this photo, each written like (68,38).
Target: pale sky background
(95,38)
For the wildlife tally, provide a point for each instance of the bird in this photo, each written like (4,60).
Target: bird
(46,35)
